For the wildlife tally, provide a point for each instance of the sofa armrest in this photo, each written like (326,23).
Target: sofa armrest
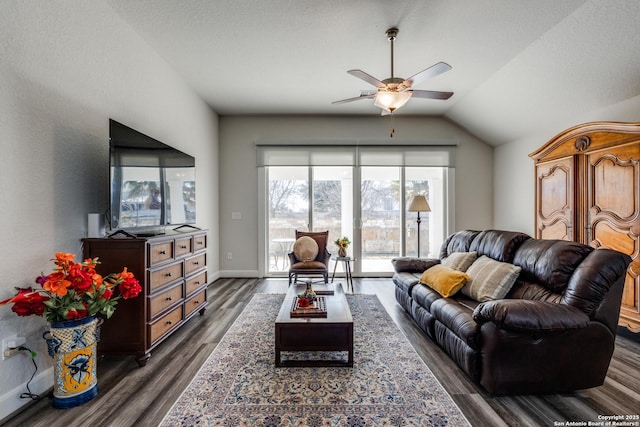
(530,316)
(412,264)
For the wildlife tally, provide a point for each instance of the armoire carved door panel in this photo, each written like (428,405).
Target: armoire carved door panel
(555,199)
(588,190)
(614,216)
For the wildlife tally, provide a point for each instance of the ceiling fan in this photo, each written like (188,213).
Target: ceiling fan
(394,92)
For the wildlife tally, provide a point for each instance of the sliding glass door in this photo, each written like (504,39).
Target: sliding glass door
(360,191)
(367,204)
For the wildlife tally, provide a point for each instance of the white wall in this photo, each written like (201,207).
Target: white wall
(514,182)
(66,67)
(239,178)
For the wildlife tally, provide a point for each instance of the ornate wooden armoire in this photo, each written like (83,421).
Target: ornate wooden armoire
(588,190)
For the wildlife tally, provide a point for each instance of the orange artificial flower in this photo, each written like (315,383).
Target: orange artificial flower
(64,257)
(57,283)
(125,274)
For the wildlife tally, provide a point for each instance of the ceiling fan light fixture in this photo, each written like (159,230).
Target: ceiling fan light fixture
(394,92)
(391,101)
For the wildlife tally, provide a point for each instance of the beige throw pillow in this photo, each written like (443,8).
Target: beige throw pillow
(460,261)
(490,279)
(305,249)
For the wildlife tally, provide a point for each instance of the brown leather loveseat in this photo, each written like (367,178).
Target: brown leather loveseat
(554,331)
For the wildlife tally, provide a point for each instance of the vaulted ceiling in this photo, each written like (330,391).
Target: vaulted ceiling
(518,65)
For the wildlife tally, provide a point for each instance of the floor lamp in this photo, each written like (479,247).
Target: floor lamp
(419,204)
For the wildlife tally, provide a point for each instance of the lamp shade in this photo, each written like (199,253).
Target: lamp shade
(391,100)
(419,204)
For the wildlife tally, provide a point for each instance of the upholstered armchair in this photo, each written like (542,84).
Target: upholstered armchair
(309,256)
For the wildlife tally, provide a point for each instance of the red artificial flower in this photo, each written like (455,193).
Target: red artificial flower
(130,287)
(80,278)
(27,302)
(107,293)
(303,302)
(76,314)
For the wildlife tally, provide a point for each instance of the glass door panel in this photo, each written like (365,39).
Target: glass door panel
(380,218)
(287,210)
(428,182)
(332,206)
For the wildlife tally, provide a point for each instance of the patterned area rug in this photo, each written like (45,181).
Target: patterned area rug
(389,384)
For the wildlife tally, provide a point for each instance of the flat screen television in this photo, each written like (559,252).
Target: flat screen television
(152,185)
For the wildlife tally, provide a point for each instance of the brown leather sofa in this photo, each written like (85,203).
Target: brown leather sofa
(553,332)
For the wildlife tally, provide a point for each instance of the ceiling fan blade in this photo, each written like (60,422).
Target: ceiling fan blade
(431,72)
(366,77)
(356,98)
(431,94)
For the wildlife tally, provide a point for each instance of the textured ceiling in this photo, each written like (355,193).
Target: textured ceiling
(517,64)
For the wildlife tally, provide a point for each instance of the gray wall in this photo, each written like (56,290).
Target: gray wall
(65,69)
(238,173)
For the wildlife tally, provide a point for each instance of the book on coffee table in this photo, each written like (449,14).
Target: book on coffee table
(323,288)
(318,309)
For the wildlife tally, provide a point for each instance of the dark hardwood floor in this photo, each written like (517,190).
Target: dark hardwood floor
(141,396)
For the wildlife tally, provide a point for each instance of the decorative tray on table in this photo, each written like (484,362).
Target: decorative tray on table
(317,309)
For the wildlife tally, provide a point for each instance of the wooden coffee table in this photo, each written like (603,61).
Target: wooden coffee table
(333,333)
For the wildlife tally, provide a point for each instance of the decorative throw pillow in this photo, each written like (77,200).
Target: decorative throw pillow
(444,280)
(305,249)
(460,260)
(490,279)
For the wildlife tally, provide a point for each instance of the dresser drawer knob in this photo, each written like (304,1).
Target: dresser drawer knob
(196,263)
(168,299)
(197,302)
(169,322)
(168,274)
(197,282)
(183,246)
(163,252)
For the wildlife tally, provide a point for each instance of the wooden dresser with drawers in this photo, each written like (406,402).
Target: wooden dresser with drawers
(172,271)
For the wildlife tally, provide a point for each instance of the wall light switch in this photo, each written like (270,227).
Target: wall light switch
(236,215)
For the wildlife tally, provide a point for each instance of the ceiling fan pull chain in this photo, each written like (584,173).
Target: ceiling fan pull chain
(393,129)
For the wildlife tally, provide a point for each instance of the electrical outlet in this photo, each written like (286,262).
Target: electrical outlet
(229,256)
(11,345)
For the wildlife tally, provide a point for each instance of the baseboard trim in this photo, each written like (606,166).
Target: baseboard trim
(239,273)
(213,277)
